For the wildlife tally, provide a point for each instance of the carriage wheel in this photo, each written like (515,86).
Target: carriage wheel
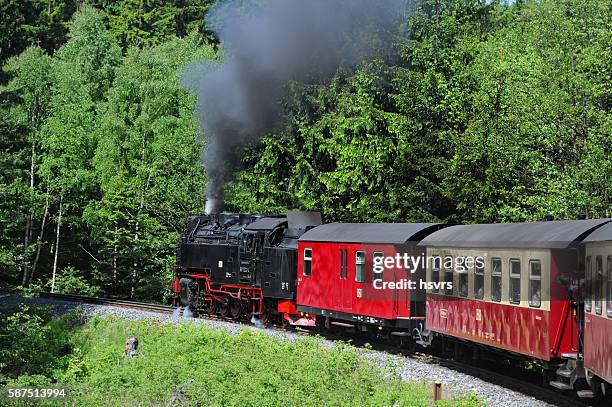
(235,309)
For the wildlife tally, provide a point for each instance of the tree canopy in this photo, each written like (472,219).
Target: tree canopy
(477,112)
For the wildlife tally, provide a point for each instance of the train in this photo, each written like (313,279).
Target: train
(519,293)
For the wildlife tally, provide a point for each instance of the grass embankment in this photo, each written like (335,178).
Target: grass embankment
(193,365)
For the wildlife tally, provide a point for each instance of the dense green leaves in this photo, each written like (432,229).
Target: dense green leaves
(491,113)
(477,112)
(106,165)
(147,165)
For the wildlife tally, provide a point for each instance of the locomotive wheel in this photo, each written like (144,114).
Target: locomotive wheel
(224,310)
(265,315)
(213,308)
(235,309)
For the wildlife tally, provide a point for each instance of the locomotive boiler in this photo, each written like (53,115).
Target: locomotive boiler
(237,265)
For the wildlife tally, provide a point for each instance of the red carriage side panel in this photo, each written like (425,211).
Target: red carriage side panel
(544,331)
(598,345)
(332,284)
(507,327)
(339,281)
(530,312)
(598,304)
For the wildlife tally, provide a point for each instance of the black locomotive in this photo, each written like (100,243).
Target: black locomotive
(241,264)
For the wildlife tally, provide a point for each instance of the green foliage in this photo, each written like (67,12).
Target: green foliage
(25,105)
(32,342)
(490,113)
(539,118)
(145,23)
(197,365)
(70,281)
(132,22)
(147,166)
(28,22)
(477,112)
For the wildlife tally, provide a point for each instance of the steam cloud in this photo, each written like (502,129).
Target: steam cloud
(265,45)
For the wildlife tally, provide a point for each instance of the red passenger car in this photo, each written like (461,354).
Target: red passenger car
(519,298)
(337,281)
(598,310)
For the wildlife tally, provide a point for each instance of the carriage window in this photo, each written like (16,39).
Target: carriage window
(360,260)
(435,277)
(479,282)
(463,279)
(496,279)
(307,262)
(587,285)
(598,284)
(515,281)
(448,279)
(535,283)
(609,293)
(378,275)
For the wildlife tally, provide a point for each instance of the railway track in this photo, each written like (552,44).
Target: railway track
(166,309)
(490,376)
(510,382)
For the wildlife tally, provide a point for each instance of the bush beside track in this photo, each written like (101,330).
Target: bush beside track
(192,364)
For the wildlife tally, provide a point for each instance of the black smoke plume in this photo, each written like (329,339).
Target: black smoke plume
(266,44)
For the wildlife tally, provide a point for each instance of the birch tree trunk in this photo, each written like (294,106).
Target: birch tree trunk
(39,240)
(57,237)
(115,259)
(28,229)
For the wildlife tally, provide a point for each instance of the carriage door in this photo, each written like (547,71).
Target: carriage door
(343,288)
(339,278)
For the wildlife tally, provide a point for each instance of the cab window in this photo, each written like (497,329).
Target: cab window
(448,279)
(435,277)
(378,255)
(463,280)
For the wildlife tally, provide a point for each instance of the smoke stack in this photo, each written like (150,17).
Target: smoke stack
(213,206)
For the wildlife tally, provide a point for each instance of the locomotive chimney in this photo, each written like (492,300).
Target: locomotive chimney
(213,206)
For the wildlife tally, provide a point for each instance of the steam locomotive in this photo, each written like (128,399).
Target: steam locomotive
(242,264)
(543,292)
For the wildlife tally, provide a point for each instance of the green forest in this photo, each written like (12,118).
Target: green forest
(481,111)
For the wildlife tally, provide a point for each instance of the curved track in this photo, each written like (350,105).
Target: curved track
(166,309)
